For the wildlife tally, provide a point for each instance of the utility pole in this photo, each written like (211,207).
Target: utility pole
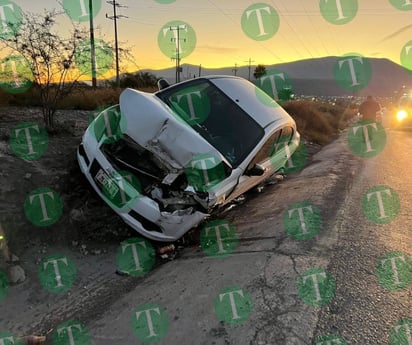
(235,69)
(114,18)
(92,46)
(200,70)
(177,39)
(250,65)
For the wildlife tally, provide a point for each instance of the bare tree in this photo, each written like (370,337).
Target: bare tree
(50,56)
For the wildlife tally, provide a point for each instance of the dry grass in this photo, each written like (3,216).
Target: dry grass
(318,122)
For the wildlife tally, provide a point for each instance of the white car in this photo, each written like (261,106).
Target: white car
(163,161)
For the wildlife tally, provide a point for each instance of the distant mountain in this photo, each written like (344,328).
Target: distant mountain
(312,77)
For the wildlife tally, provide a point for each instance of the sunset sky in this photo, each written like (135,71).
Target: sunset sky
(372,28)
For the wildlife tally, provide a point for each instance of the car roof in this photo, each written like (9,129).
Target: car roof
(247,96)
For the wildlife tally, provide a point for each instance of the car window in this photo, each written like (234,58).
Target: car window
(266,150)
(216,117)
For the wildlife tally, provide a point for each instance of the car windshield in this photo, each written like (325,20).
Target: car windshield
(216,117)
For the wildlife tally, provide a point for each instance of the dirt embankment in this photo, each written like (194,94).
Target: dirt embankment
(85,223)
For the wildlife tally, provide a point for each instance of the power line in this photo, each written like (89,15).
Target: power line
(115,17)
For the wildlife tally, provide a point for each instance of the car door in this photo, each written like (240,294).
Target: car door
(262,158)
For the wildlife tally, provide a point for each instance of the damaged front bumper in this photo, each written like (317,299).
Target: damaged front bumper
(144,214)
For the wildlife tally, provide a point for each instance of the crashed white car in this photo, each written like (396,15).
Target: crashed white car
(163,161)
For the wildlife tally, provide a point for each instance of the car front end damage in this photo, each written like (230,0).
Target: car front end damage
(141,182)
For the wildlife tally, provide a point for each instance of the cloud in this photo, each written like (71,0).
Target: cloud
(217,49)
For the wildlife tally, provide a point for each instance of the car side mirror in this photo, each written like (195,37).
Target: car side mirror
(256,170)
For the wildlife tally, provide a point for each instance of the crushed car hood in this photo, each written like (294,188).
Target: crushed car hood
(152,125)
